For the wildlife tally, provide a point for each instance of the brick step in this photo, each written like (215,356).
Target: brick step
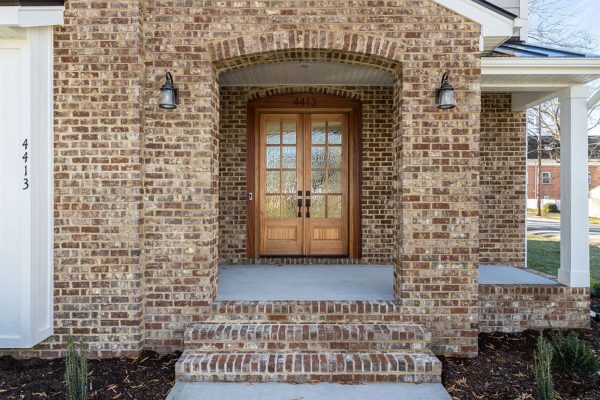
(302,367)
(307,311)
(212,336)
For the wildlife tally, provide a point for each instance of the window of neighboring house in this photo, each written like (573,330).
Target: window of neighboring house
(546,198)
(546,178)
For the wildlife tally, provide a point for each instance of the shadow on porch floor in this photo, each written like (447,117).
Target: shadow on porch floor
(336,282)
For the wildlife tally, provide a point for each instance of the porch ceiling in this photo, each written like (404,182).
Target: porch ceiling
(307,73)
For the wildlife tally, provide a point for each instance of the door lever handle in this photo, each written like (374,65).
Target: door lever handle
(299,204)
(307,208)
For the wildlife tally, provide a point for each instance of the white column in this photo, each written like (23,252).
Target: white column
(574,226)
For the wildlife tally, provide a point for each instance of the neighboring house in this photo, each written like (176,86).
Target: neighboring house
(304,133)
(550,188)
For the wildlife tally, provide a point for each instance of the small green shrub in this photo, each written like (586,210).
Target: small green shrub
(76,372)
(573,355)
(595,290)
(550,208)
(542,369)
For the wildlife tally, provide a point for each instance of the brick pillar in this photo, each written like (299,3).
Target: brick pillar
(97,269)
(503,202)
(439,185)
(180,179)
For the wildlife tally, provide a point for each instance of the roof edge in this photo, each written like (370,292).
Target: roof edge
(496,9)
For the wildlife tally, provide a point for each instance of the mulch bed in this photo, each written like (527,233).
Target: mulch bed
(149,376)
(504,369)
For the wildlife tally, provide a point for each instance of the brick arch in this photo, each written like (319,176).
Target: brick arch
(260,93)
(339,46)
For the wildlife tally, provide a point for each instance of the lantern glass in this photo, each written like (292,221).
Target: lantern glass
(446,100)
(167,99)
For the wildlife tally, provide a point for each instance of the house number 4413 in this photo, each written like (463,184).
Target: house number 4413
(25,164)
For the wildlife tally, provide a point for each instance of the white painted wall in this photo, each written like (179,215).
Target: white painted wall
(26,110)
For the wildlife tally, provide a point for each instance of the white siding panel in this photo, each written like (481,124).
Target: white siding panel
(26,316)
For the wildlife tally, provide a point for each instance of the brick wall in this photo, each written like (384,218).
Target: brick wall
(137,187)
(377,172)
(515,308)
(502,233)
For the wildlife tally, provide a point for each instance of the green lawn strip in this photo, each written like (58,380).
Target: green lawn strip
(544,255)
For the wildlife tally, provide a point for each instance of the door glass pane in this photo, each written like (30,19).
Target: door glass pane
(318,132)
(289,132)
(273,182)
(334,206)
(318,181)
(289,156)
(273,132)
(334,182)
(318,157)
(334,157)
(335,132)
(317,206)
(290,206)
(272,157)
(289,182)
(272,209)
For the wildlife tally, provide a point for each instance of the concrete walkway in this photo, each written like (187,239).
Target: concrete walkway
(320,391)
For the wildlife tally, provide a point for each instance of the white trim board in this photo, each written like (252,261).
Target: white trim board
(32,16)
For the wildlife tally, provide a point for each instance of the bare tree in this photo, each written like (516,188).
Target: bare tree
(549,24)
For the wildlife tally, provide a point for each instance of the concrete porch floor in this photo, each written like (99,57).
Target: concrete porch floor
(337,282)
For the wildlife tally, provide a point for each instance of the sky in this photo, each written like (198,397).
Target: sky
(589,20)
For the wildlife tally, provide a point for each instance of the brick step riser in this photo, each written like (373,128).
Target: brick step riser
(316,378)
(305,318)
(303,336)
(308,368)
(304,346)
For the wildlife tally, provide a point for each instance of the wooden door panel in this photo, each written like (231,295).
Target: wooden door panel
(326,177)
(303,157)
(280,178)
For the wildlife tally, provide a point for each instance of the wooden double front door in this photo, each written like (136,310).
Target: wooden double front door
(303,184)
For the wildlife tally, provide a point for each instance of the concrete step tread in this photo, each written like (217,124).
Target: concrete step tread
(303,367)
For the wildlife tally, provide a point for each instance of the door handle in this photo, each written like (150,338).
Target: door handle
(308,207)
(299,203)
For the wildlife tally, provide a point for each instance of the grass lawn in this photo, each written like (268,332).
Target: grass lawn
(544,255)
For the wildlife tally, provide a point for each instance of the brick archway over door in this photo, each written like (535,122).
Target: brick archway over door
(436,163)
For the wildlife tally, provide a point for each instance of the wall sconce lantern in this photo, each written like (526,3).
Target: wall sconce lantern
(169,94)
(444,96)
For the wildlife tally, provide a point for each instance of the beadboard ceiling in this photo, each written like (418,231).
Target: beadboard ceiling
(313,73)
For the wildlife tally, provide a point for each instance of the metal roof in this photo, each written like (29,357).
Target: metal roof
(495,8)
(517,48)
(31,3)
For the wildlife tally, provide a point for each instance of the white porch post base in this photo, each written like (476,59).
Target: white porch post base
(574,226)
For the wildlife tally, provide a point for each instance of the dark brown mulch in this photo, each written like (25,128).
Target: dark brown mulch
(503,369)
(147,377)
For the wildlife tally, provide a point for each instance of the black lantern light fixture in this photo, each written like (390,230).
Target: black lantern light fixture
(444,96)
(169,94)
